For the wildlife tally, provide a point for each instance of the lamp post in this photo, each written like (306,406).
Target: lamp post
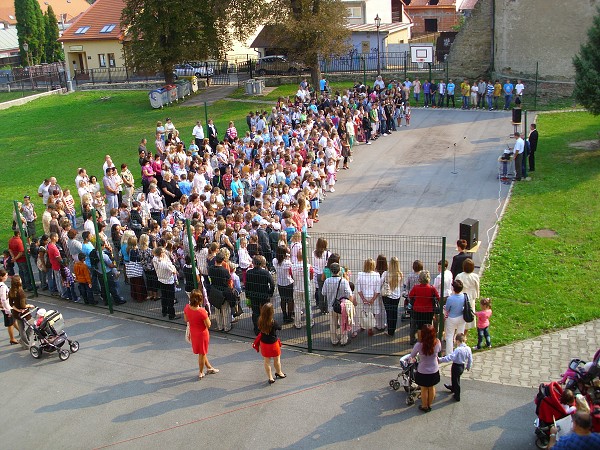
(378,24)
(26,50)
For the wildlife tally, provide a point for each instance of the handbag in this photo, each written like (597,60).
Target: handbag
(468,314)
(216,298)
(386,289)
(337,302)
(134,269)
(437,309)
(188,336)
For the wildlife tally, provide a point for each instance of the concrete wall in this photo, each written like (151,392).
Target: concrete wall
(471,52)
(546,31)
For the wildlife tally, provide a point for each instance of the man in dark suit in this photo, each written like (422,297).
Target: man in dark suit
(533,141)
(213,137)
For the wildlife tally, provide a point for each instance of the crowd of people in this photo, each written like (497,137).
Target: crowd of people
(249,195)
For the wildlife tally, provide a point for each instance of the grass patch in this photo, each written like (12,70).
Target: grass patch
(544,284)
(54,135)
(13,95)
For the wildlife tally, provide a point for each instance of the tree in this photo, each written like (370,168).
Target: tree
(53,51)
(587,69)
(312,29)
(30,29)
(160,34)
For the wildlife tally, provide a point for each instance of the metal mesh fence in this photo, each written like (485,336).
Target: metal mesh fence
(352,249)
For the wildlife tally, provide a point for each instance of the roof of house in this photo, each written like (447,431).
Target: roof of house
(422,3)
(70,8)
(8,39)
(383,28)
(468,5)
(101,21)
(269,34)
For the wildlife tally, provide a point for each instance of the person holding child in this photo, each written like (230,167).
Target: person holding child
(462,359)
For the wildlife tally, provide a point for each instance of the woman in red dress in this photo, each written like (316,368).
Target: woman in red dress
(270,346)
(199,322)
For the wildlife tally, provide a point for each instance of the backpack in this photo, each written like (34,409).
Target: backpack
(468,314)
(94,259)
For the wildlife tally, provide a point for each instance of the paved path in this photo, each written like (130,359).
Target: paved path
(533,361)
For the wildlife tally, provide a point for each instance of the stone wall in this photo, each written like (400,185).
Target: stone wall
(471,52)
(547,32)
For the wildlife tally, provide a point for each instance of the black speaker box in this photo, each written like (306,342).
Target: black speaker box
(469,231)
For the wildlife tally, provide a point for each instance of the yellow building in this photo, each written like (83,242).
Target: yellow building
(95,39)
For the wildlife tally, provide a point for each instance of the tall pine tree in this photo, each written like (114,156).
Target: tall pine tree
(587,69)
(53,51)
(30,29)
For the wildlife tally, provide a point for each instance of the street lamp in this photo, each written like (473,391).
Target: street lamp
(26,50)
(378,24)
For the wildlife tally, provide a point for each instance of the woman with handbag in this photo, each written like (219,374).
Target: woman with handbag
(269,344)
(391,291)
(453,312)
(199,324)
(423,299)
(135,270)
(470,281)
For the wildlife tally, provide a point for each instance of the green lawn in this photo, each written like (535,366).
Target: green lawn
(55,135)
(7,96)
(543,284)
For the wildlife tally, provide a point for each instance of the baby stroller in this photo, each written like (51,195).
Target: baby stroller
(50,336)
(583,377)
(406,378)
(548,410)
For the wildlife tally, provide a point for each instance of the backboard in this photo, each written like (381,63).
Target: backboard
(421,53)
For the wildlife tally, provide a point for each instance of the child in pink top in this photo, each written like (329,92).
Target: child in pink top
(483,323)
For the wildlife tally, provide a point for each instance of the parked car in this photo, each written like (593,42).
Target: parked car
(188,70)
(278,65)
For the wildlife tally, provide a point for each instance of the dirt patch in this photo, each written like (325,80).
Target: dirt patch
(545,233)
(594,144)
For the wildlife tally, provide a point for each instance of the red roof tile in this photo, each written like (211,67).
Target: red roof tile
(100,16)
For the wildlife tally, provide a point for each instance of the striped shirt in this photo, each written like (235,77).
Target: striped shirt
(165,270)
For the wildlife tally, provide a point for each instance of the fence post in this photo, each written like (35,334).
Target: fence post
(92,72)
(25,246)
(192,251)
(537,66)
(364,64)
(441,318)
(306,294)
(405,64)
(98,245)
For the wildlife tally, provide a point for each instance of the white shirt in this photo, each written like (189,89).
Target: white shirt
(519,146)
(198,132)
(283,270)
(519,88)
(368,283)
(437,283)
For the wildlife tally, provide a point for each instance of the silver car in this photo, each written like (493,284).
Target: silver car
(187,70)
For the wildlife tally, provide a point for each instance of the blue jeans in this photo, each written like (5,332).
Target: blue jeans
(427,98)
(490,102)
(481,333)
(417,95)
(24,274)
(465,102)
(507,101)
(73,220)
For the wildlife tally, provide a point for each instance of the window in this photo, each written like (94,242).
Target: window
(111,60)
(82,30)
(102,60)
(107,28)
(433,2)
(354,12)
(431,25)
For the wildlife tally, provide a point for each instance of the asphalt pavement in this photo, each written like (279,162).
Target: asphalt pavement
(134,385)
